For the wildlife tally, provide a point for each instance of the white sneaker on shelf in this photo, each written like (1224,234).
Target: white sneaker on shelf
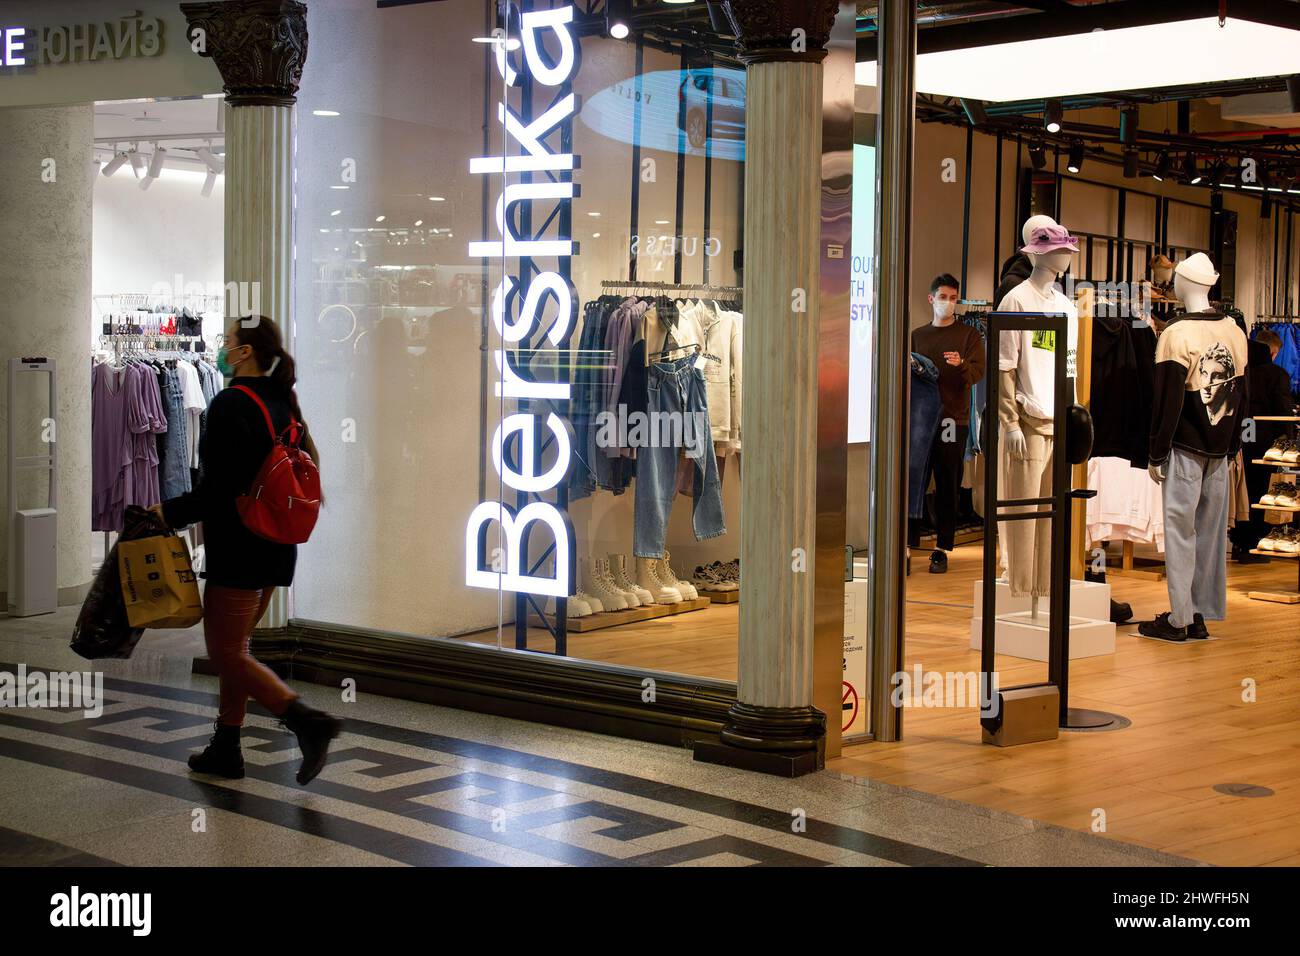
(648,579)
(618,571)
(687,589)
(1268,542)
(606,575)
(592,583)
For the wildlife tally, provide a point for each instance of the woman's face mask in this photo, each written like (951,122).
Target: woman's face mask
(223,362)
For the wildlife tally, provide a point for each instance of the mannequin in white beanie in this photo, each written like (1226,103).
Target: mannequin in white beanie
(1197,415)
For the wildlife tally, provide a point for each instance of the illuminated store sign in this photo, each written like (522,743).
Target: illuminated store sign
(129,36)
(539,64)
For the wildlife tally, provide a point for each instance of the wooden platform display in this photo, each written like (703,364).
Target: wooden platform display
(635,615)
(1277,597)
(1275,554)
(1275,508)
(720,597)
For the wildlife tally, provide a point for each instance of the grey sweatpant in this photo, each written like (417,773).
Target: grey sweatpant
(1195,495)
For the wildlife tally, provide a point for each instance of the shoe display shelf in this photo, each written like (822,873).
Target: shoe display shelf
(1288,468)
(633,615)
(720,597)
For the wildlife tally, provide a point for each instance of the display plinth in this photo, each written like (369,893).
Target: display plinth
(1019,635)
(1088,599)
(647,612)
(720,597)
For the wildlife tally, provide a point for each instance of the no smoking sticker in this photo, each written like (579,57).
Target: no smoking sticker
(849,706)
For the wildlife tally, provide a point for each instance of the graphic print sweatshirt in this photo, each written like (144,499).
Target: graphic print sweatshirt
(1200,396)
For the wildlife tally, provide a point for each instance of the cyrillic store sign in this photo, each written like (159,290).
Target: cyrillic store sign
(133,35)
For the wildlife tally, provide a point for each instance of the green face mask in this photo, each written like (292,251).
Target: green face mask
(223,363)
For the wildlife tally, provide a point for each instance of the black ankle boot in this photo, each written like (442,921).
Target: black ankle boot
(222,757)
(314,730)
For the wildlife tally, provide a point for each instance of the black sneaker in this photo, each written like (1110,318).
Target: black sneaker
(1197,631)
(938,562)
(222,757)
(1162,629)
(1120,611)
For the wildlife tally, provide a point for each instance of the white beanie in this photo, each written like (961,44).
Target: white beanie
(1198,268)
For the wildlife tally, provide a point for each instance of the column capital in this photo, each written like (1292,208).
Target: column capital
(259,47)
(765,29)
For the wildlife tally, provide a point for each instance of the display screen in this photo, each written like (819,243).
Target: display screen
(862,296)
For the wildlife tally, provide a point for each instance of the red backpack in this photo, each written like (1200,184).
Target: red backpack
(284,500)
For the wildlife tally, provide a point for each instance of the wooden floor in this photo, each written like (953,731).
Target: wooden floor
(1151,783)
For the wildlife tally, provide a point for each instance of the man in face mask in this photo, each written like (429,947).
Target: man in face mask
(957,351)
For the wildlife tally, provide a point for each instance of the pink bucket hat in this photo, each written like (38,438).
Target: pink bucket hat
(1050,239)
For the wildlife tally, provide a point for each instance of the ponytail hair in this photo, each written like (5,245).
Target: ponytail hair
(263,336)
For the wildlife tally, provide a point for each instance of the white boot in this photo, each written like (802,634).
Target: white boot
(649,581)
(589,600)
(605,573)
(576,607)
(685,587)
(611,599)
(665,580)
(618,571)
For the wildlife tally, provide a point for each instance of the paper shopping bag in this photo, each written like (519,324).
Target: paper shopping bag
(159,586)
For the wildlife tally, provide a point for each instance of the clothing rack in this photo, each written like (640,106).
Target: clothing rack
(197,302)
(656,286)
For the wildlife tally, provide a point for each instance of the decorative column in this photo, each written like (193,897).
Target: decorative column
(774,726)
(46,196)
(259,46)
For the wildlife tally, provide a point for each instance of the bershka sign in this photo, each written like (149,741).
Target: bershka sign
(546,56)
(131,910)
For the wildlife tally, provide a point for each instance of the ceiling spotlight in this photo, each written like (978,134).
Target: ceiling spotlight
(1076,157)
(976,115)
(436,199)
(324,112)
(1037,155)
(137,161)
(156,162)
(1052,116)
(209,158)
(1162,167)
(146,182)
(209,181)
(1131,166)
(115,163)
(1128,126)
(617,14)
(1190,170)
(380,218)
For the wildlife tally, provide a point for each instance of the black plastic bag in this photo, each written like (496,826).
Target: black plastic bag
(102,629)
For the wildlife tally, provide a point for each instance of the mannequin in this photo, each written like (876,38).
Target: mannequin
(1197,415)
(1027,404)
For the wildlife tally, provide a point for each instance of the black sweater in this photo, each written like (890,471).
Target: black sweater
(1270,394)
(232,450)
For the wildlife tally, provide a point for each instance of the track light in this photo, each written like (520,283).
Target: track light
(146,183)
(1052,116)
(1037,155)
(975,112)
(137,161)
(156,162)
(1190,171)
(1128,126)
(209,181)
(1131,166)
(1162,167)
(617,14)
(1076,157)
(114,164)
(210,159)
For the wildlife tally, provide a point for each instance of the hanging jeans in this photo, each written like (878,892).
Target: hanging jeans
(677,409)
(174,459)
(925,410)
(1029,543)
(1195,494)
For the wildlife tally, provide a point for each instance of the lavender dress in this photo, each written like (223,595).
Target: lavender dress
(125,414)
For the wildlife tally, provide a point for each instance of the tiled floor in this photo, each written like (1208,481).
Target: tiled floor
(415,784)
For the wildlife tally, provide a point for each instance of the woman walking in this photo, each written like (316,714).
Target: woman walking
(243,569)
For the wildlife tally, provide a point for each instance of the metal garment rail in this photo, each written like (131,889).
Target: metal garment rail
(1060,501)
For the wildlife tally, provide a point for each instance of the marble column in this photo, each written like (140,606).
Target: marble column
(46,193)
(774,726)
(259,46)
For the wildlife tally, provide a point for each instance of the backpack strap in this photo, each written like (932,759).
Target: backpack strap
(260,404)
